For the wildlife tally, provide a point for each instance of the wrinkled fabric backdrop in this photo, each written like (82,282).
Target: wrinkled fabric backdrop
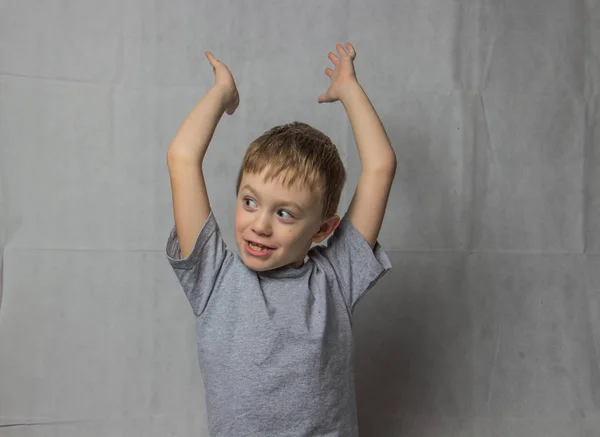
(489,323)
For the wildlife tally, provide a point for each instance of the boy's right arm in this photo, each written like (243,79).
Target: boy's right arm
(191,206)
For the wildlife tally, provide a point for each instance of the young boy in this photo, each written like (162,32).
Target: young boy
(274,323)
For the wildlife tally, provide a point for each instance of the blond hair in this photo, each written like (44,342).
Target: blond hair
(300,154)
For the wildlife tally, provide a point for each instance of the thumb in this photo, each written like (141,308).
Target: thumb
(323,98)
(211,59)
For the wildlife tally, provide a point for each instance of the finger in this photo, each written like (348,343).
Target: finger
(350,49)
(325,98)
(211,59)
(328,72)
(333,58)
(341,50)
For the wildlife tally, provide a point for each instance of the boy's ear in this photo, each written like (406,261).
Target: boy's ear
(326,229)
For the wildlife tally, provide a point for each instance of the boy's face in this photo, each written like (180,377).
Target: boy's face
(276,225)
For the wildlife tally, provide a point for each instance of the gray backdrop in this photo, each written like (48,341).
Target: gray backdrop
(489,323)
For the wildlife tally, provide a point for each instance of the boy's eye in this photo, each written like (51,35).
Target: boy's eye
(249,202)
(285,214)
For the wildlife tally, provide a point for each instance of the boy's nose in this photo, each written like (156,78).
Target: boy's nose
(261,226)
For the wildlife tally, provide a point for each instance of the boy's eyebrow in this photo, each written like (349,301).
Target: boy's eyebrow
(287,202)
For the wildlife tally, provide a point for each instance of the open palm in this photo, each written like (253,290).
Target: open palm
(342,75)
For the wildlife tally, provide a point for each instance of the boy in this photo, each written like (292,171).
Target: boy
(273,323)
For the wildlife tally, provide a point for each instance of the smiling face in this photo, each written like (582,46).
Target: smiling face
(275,225)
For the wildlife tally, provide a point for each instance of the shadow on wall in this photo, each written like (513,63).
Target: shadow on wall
(413,339)
(413,348)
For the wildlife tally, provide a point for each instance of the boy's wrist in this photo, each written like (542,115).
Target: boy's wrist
(350,91)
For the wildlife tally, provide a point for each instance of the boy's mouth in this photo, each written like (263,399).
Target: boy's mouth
(257,248)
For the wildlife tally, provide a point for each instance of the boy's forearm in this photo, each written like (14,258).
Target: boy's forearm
(194,135)
(374,147)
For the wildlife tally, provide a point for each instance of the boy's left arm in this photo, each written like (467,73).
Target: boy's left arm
(378,160)
(378,165)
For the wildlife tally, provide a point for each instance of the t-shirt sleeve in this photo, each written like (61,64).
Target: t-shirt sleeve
(199,272)
(357,267)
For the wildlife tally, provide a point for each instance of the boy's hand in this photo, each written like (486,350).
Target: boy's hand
(224,79)
(342,76)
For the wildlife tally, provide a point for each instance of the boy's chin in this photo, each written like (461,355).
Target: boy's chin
(259,265)
(256,264)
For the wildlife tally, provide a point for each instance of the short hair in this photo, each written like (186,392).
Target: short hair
(301,154)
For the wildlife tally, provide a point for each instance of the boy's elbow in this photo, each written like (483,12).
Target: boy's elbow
(390,170)
(176,155)
(381,175)
(386,165)
(393,163)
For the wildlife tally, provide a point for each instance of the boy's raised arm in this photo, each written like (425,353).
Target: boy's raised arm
(191,206)
(378,160)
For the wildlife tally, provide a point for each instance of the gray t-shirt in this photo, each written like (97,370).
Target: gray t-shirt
(275,348)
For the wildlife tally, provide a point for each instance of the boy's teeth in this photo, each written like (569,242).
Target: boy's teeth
(256,247)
